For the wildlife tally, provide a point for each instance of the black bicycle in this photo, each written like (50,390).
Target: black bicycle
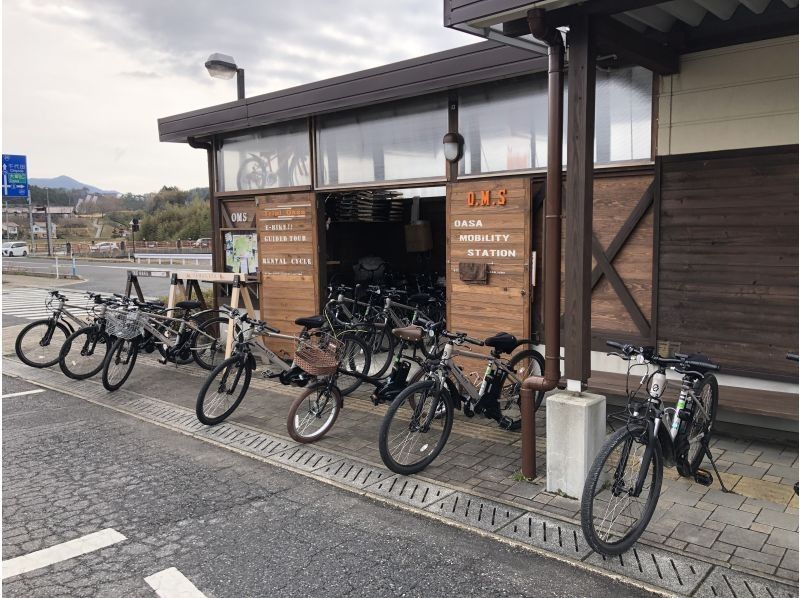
(624,482)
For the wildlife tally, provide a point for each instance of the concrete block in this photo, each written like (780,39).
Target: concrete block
(576,429)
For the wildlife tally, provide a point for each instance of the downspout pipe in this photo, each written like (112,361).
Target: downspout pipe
(552,238)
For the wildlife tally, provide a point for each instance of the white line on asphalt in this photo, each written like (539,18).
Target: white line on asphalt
(61,552)
(171,583)
(24,392)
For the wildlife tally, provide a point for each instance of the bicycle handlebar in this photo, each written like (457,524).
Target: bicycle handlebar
(462,337)
(650,355)
(244,317)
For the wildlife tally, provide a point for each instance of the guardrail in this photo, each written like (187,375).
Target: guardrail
(172,258)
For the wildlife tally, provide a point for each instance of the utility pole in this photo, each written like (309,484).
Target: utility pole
(30,222)
(47,221)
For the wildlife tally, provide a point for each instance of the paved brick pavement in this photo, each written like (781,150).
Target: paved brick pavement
(754,529)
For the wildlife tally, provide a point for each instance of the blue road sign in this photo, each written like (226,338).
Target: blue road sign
(15,176)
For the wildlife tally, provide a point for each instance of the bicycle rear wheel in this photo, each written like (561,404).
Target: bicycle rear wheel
(705,413)
(524,364)
(84,352)
(314,412)
(119,362)
(208,342)
(415,428)
(611,518)
(356,358)
(39,343)
(223,390)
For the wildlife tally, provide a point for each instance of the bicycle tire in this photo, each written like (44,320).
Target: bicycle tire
(28,355)
(385,436)
(123,353)
(224,369)
(697,454)
(305,409)
(209,358)
(88,342)
(537,357)
(382,345)
(626,437)
(356,358)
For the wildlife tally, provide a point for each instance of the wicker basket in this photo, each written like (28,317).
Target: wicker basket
(125,324)
(319,355)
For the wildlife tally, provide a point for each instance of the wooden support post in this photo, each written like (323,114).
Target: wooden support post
(231,323)
(580,170)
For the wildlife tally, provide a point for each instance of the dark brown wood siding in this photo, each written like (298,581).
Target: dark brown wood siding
(728,261)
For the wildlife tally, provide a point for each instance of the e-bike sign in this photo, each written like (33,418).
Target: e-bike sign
(15,176)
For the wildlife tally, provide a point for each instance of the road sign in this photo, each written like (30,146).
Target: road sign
(15,176)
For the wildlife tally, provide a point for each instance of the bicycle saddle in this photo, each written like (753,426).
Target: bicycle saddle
(412,334)
(187,304)
(419,298)
(502,342)
(310,321)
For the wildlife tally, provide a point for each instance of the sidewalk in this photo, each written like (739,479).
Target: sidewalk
(754,529)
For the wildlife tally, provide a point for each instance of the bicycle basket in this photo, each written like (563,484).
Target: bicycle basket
(319,355)
(125,324)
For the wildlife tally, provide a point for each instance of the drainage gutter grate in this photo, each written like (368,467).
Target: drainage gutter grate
(409,491)
(724,583)
(553,536)
(475,511)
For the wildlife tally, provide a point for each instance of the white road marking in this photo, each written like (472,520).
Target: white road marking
(171,583)
(24,392)
(61,552)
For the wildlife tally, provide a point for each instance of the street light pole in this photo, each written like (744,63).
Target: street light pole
(240,83)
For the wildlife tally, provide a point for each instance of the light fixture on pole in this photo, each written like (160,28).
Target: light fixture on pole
(222,66)
(453,147)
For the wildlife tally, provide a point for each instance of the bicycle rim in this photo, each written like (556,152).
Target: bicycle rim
(702,420)
(313,413)
(121,361)
(225,391)
(613,519)
(83,353)
(355,358)
(416,429)
(34,347)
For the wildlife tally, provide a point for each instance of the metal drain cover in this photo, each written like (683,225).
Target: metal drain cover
(304,458)
(549,535)
(724,583)
(475,511)
(409,491)
(353,474)
(676,574)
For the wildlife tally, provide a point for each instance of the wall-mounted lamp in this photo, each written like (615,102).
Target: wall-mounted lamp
(453,147)
(222,66)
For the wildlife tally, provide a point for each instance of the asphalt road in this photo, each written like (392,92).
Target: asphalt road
(233,526)
(105,277)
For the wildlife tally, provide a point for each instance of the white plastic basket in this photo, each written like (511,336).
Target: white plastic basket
(125,324)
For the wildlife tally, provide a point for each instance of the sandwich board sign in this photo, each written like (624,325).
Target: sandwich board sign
(15,176)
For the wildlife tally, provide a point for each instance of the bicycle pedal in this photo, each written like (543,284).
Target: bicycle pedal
(703,477)
(506,423)
(163,361)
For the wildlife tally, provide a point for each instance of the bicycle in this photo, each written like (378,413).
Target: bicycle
(227,384)
(141,325)
(38,344)
(624,482)
(417,424)
(263,170)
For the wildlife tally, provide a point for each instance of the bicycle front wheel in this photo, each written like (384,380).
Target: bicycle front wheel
(84,353)
(314,412)
(223,390)
(415,428)
(119,362)
(356,358)
(613,518)
(40,342)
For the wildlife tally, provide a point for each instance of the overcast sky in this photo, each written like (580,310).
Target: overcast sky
(85,80)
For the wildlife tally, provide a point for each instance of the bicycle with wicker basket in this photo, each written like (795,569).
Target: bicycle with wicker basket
(325,361)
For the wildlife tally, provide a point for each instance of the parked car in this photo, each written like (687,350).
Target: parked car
(202,242)
(104,246)
(15,249)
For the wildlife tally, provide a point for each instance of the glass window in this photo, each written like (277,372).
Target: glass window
(504,124)
(275,156)
(398,141)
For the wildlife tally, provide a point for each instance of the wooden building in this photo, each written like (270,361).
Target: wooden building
(693,237)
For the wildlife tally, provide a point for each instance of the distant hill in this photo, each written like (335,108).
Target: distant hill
(66,182)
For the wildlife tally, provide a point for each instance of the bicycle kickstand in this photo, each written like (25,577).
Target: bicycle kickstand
(714,465)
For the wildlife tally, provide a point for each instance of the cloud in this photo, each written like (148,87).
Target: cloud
(97,75)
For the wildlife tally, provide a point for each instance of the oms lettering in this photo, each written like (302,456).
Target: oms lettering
(486,198)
